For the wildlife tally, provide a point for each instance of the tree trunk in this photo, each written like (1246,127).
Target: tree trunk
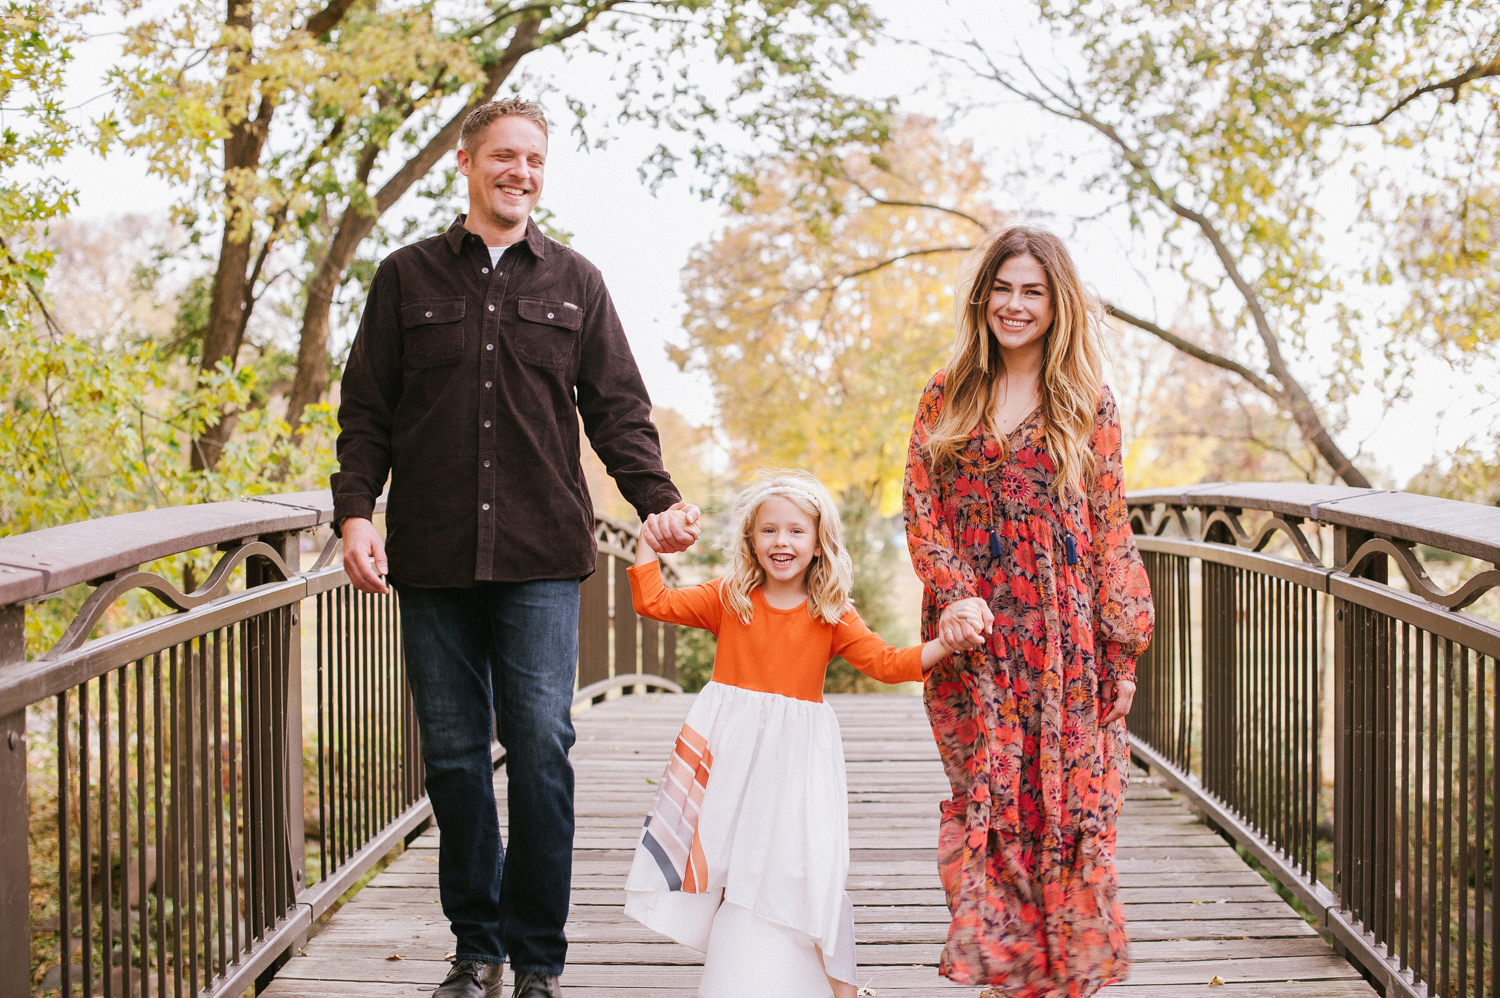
(231,291)
(312,350)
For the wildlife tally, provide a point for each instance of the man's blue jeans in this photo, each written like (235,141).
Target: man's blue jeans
(502,653)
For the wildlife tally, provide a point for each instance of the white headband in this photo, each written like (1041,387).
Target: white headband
(794,491)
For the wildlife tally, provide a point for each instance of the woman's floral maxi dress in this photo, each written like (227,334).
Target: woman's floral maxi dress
(1026,844)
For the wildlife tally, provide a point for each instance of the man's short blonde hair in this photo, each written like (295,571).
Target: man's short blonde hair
(480,119)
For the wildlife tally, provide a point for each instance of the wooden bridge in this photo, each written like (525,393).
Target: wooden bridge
(190,800)
(1197,913)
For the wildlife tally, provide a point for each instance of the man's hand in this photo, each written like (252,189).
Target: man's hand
(364,555)
(964,623)
(673,530)
(1118,694)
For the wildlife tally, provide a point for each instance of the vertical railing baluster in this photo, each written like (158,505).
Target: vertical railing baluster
(142,896)
(1463,820)
(1490,692)
(106,880)
(233,714)
(85,844)
(1479,854)
(15,858)
(321,604)
(122,737)
(188,799)
(159,784)
(221,859)
(1403,952)
(1447,832)
(64,836)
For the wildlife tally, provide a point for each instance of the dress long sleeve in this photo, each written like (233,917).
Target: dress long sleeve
(868,652)
(693,606)
(929,535)
(1123,612)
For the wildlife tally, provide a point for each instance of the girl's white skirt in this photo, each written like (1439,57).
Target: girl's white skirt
(752,815)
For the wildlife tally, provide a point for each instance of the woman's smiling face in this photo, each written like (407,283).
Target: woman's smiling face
(1020,309)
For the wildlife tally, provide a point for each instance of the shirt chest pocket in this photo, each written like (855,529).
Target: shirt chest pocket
(433,331)
(547,331)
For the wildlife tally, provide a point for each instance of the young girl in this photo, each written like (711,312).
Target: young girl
(745,852)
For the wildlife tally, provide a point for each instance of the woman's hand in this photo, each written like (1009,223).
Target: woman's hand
(1118,694)
(964,623)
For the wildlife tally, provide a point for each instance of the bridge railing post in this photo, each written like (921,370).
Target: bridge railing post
(15,863)
(1354,723)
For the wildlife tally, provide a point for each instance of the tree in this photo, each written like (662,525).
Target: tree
(1184,422)
(96,418)
(300,128)
(36,40)
(1218,122)
(818,332)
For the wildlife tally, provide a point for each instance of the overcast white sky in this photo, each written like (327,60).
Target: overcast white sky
(640,241)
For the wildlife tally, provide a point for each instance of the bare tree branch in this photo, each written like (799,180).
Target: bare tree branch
(902,256)
(328,18)
(915,204)
(1198,353)
(1479,71)
(1292,395)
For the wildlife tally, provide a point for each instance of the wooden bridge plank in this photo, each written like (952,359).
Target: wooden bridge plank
(1196,911)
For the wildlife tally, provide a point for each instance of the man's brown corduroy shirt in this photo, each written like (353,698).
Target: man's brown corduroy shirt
(465,384)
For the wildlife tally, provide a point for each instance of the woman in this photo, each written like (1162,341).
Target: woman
(1016,519)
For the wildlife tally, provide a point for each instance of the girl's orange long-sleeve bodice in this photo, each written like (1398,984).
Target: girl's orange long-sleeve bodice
(780,651)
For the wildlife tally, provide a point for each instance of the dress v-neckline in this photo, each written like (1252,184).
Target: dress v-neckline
(1025,421)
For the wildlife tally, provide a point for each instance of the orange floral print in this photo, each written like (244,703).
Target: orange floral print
(1026,843)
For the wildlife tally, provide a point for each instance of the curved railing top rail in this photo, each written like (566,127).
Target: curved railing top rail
(1461,527)
(34,564)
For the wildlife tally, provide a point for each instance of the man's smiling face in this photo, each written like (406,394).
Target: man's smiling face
(505,171)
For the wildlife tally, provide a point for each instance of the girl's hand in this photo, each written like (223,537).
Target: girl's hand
(1118,694)
(673,530)
(964,623)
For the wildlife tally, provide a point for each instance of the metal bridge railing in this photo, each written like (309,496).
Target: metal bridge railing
(1337,723)
(180,798)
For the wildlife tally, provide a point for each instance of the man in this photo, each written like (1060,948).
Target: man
(477,353)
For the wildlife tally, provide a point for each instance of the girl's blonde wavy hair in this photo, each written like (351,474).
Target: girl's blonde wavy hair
(830,579)
(1072,369)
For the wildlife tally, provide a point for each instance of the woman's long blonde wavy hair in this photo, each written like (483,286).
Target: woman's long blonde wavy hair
(830,578)
(1072,369)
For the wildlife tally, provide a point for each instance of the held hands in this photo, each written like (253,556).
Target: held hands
(364,556)
(1117,694)
(964,624)
(673,530)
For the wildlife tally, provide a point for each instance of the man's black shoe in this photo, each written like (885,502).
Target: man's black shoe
(531,985)
(471,979)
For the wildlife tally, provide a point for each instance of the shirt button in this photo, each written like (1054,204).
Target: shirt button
(485,506)
(484,270)
(492,308)
(549,315)
(489,346)
(486,384)
(486,464)
(486,424)
(429,315)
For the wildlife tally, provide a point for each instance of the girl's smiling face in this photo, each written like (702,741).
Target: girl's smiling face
(785,540)
(1020,308)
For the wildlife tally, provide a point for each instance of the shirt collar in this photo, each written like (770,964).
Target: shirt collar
(534,239)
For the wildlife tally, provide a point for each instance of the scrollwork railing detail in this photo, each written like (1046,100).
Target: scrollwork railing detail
(1416,575)
(110,590)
